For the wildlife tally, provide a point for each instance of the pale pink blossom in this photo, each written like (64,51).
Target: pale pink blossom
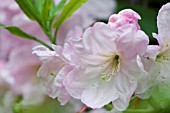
(57,64)
(156,59)
(15,50)
(111,66)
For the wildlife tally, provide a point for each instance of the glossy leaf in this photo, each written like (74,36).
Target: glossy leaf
(46,11)
(18,32)
(29,9)
(68,10)
(55,10)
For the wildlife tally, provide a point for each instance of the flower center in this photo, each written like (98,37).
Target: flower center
(163,56)
(112,68)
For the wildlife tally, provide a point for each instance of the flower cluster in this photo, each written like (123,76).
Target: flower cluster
(108,62)
(18,67)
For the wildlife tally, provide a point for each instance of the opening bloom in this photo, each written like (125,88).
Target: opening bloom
(111,66)
(157,58)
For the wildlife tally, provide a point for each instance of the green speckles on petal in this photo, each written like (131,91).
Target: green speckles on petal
(52,74)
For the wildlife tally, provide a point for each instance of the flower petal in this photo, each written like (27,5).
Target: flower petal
(98,95)
(163,23)
(63,96)
(131,42)
(125,89)
(47,73)
(99,39)
(87,74)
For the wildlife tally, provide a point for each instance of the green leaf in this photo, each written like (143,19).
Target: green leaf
(17,107)
(68,10)
(39,5)
(109,107)
(160,100)
(55,10)
(18,32)
(139,106)
(29,9)
(46,11)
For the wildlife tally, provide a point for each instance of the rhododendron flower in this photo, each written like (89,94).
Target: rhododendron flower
(156,59)
(57,64)
(111,66)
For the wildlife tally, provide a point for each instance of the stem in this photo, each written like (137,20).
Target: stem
(46,31)
(43,43)
(82,109)
(137,102)
(55,35)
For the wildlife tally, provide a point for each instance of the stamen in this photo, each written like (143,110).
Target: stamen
(112,69)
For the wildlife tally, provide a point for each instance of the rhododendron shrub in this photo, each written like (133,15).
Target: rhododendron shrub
(95,67)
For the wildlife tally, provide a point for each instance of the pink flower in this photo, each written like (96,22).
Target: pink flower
(111,66)
(156,60)
(57,64)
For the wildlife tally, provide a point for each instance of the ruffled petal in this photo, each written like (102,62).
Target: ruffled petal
(131,42)
(47,74)
(99,39)
(163,23)
(63,96)
(152,52)
(42,51)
